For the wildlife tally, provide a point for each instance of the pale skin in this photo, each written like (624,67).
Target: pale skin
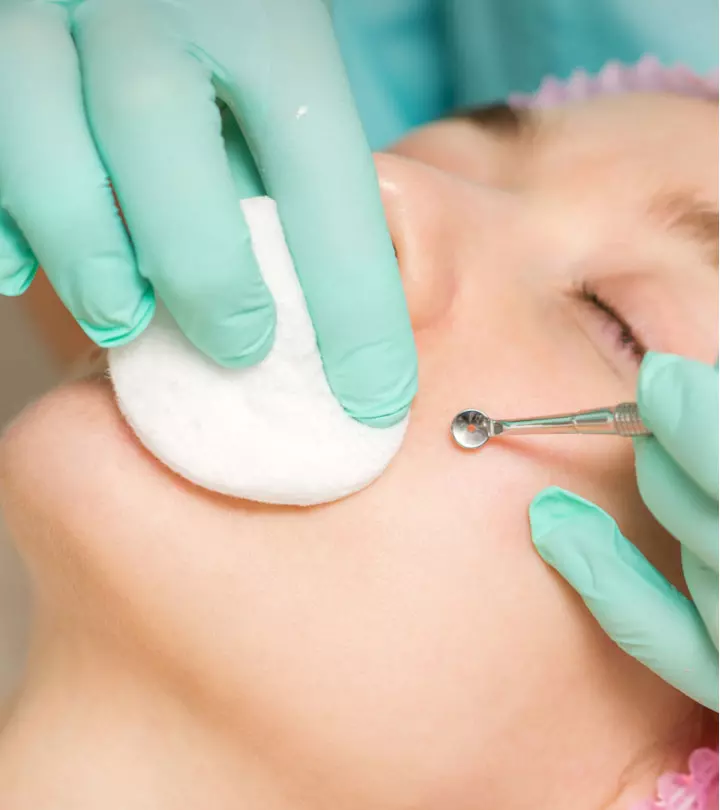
(404,648)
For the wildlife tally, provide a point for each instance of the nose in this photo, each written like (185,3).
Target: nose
(449,234)
(416,208)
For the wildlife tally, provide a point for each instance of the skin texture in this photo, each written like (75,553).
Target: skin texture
(405,648)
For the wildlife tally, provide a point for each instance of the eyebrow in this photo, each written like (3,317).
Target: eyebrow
(683,212)
(498,119)
(686,213)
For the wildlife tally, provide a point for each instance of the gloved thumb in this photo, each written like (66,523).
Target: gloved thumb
(678,400)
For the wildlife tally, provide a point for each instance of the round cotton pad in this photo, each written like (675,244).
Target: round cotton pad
(272,433)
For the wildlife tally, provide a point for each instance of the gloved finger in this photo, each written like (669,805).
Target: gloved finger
(677,502)
(53,184)
(307,139)
(245,175)
(635,605)
(702,583)
(156,122)
(678,400)
(17,263)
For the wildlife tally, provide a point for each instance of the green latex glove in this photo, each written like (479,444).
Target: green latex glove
(677,472)
(126,90)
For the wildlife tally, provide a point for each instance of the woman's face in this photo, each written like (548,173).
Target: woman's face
(406,647)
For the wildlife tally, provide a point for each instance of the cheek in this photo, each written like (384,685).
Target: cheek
(321,637)
(318,637)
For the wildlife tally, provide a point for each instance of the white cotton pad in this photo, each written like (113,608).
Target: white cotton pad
(272,433)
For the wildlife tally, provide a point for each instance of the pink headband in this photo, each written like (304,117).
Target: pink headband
(646,76)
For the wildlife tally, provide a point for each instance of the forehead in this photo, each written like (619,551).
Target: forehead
(661,139)
(652,157)
(660,142)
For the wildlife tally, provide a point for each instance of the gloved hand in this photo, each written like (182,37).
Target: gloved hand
(126,90)
(677,471)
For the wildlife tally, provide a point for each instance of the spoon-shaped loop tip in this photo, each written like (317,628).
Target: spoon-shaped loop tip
(470,429)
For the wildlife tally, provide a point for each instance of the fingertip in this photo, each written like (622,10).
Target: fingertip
(384,420)
(659,395)
(18,264)
(112,336)
(575,537)
(241,342)
(555,507)
(641,443)
(374,387)
(650,457)
(247,357)
(678,400)
(16,282)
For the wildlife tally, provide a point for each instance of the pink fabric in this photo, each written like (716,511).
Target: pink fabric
(696,790)
(647,76)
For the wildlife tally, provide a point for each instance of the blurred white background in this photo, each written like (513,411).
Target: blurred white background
(26,371)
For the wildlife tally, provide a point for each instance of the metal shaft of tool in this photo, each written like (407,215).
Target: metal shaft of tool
(622,420)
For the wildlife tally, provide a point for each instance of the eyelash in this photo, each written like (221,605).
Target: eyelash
(626,337)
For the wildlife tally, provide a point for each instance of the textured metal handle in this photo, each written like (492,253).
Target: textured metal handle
(472,429)
(628,421)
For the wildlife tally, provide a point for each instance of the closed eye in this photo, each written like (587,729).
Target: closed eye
(623,333)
